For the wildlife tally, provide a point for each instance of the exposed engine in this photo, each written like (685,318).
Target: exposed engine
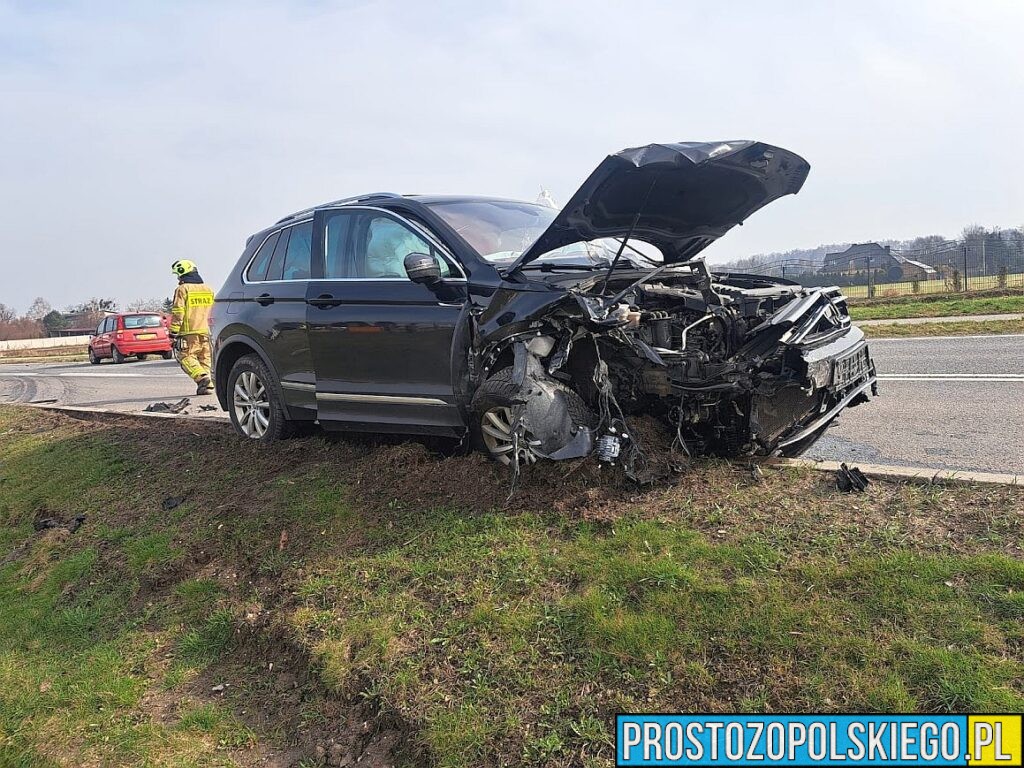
(734,365)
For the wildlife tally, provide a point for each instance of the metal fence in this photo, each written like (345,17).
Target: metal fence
(951,267)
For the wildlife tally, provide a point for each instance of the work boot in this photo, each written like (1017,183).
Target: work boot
(204,386)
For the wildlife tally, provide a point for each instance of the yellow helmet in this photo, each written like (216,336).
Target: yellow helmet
(183,267)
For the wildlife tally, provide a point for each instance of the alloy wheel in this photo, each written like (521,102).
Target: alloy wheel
(251,403)
(498,434)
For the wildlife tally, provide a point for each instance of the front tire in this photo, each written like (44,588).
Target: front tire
(92,357)
(141,357)
(115,353)
(493,409)
(255,404)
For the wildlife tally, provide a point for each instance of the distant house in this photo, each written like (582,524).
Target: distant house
(861,258)
(81,323)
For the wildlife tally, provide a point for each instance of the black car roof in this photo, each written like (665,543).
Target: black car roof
(383,196)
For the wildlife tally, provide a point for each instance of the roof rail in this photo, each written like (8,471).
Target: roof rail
(342,201)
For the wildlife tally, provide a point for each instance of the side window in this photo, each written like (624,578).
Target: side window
(337,243)
(100,327)
(108,325)
(258,269)
(381,245)
(297,256)
(277,260)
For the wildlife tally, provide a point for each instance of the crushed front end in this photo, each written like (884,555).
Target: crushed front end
(733,364)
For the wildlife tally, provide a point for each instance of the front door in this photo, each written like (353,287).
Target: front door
(381,344)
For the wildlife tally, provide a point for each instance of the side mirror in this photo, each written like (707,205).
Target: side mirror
(422,268)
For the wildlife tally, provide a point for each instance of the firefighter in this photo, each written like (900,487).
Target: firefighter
(190,326)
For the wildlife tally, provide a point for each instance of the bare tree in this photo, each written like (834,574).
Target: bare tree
(7,315)
(95,306)
(146,305)
(40,308)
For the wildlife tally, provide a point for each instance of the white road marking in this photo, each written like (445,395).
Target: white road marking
(955,375)
(27,374)
(954,379)
(940,338)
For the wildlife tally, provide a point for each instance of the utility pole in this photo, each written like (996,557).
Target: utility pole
(871,280)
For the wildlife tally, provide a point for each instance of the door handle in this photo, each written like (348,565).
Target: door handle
(264,299)
(325,300)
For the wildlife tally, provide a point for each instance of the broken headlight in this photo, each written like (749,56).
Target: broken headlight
(820,372)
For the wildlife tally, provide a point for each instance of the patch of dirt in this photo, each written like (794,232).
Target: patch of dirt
(271,686)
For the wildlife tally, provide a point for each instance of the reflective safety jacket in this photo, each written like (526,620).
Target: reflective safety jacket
(190,310)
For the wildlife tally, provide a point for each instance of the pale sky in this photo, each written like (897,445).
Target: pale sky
(137,133)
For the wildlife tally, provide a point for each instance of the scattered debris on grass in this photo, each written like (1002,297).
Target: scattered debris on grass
(850,479)
(172,501)
(162,407)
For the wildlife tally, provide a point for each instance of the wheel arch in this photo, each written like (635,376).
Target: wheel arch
(228,353)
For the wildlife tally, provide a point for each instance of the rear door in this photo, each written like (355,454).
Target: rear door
(275,308)
(382,344)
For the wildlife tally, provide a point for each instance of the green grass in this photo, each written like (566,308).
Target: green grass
(963,328)
(489,637)
(948,307)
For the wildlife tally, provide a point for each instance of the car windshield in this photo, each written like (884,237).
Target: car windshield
(501,230)
(142,321)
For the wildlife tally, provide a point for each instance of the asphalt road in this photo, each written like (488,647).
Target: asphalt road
(945,402)
(951,402)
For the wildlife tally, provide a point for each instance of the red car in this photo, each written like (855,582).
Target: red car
(135,334)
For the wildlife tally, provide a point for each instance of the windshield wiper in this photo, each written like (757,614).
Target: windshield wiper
(554,266)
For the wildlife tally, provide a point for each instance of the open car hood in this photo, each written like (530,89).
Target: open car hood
(678,197)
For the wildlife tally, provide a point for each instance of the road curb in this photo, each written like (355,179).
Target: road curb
(906,474)
(84,410)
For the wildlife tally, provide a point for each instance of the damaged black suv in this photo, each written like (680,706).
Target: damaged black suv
(540,333)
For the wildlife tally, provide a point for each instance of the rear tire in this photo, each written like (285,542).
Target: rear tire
(115,353)
(92,357)
(255,403)
(167,355)
(492,406)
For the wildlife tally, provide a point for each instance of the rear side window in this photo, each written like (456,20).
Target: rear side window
(108,324)
(261,263)
(277,260)
(297,257)
(292,254)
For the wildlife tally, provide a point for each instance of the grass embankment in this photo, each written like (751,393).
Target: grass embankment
(44,355)
(383,598)
(953,328)
(947,306)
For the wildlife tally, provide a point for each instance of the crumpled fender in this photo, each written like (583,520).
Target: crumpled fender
(543,405)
